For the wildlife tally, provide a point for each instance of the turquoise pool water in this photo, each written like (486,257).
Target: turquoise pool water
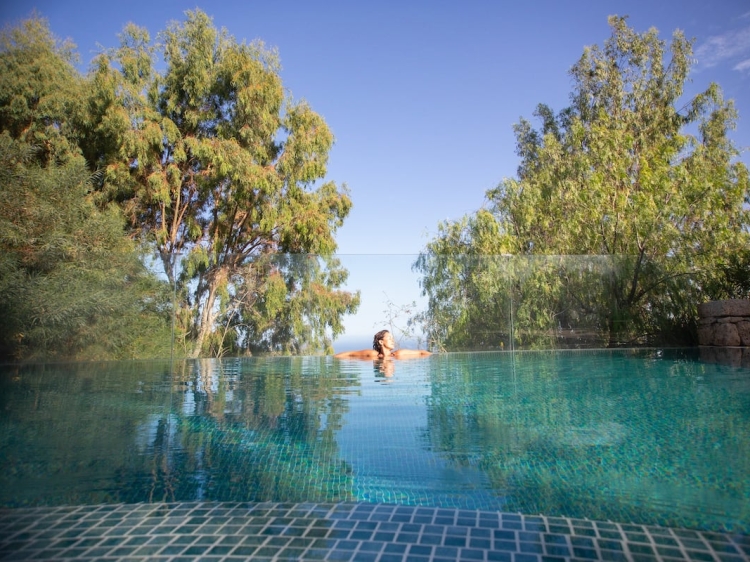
(646,436)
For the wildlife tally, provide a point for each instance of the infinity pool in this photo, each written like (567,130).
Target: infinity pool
(650,436)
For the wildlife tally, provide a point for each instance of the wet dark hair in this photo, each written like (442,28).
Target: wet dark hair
(376,341)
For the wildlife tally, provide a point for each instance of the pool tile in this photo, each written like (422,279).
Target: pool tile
(534,547)
(640,549)
(361,535)
(586,553)
(694,544)
(525,558)
(267,531)
(725,548)
(584,531)
(700,556)
(484,544)
(613,535)
(446,552)
(456,530)
(613,555)
(511,546)
(332,534)
(451,540)
(558,550)
(669,552)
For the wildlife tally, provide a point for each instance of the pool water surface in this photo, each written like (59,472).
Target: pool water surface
(651,437)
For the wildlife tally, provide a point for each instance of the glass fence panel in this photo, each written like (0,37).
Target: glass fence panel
(555,302)
(182,305)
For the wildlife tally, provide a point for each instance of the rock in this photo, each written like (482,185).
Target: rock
(730,307)
(743,329)
(726,335)
(706,335)
(724,323)
(732,319)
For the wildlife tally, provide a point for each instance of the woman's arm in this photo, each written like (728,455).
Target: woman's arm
(361,354)
(407,353)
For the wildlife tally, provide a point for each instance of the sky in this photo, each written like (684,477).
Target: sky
(422,95)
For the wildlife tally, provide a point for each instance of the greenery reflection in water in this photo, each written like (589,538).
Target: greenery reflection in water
(649,436)
(136,432)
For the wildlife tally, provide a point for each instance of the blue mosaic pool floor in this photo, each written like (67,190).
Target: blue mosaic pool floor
(223,532)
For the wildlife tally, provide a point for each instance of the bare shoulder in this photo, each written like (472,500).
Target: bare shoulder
(361,354)
(408,353)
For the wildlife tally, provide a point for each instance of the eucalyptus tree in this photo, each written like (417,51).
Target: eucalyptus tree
(40,90)
(217,166)
(636,171)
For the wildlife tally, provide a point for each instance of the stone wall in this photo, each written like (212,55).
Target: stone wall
(724,323)
(724,332)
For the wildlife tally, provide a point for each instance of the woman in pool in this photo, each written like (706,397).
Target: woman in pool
(383,348)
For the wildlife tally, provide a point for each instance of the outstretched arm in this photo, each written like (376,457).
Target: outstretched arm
(407,353)
(361,354)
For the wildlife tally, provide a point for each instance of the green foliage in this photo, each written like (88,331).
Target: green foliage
(213,160)
(731,279)
(622,173)
(462,285)
(71,286)
(40,90)
(214,168)
(290,304)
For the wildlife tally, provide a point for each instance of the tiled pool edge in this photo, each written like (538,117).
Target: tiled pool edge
(219,532)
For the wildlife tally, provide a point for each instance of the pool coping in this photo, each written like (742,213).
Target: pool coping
(361,532)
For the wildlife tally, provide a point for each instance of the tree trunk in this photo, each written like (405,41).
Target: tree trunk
(207,318)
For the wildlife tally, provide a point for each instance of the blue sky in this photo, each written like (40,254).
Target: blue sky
(422,95)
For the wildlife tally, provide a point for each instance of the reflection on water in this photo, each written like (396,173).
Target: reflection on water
(385,367)
(655,437)
(734,356)
(630,436)
(130,432)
